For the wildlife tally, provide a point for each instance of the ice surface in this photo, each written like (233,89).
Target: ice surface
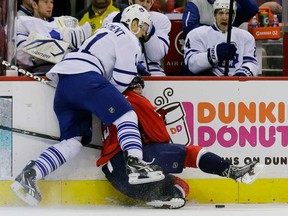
(188,210)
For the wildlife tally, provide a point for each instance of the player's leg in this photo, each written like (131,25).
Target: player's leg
(138,170)
(73,125)
(171,158)
(109,105)
(167,193)
(25,184)
(211,163)
(174,157)
(174,196)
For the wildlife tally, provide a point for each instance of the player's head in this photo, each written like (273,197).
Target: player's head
(147,4)
(137,82)
(42,8)
(137,19)
(221,13)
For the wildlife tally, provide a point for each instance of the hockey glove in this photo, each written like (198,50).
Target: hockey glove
(243,71)
(221,52)
(142,70)
(66,21)
(76,36)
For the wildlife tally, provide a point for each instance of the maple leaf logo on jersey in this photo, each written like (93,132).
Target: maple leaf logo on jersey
(232,63)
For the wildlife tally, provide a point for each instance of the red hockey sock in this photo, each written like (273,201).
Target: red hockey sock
(192,156)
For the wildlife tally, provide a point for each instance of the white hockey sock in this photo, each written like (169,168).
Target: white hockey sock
(56,155)
(129,135)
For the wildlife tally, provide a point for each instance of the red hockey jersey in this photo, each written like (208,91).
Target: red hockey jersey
(151,126)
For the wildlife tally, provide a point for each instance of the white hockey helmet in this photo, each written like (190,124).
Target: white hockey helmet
(224,4)
(138,12)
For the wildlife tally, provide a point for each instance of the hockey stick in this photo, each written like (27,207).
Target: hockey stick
(145,56)
(44,136)
(229,35)
(25,72)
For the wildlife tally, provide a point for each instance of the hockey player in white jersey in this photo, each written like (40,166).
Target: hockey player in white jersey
(90,81)
(39,41)
(25,9)
(155,44)
(206,48)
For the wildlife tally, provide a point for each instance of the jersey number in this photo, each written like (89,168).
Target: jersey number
(93,41)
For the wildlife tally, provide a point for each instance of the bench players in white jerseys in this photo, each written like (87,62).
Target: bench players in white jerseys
(90,81)
(155,44)
(42,38)
(34,34)
(206,47)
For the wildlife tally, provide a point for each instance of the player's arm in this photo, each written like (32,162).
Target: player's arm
(22,58)
(127,56)
(195,54)
(250,65)
(112,17)
(158,42)
(245,11)
(110,144)
(190,18)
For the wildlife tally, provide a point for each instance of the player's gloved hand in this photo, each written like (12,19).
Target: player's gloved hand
(76,36)
(221,52)
(142,70)
(66,21)
(243,71)
(150,33)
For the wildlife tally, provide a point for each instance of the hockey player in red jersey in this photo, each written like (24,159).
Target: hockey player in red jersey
(173,158)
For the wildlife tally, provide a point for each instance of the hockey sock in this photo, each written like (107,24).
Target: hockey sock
(193,154)
(56,155)
(128,134)
(213,164)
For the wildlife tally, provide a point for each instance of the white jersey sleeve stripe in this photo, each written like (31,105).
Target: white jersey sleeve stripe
(87,61)
(124,71)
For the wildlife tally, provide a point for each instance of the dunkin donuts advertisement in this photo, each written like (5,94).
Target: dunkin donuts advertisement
(235,121)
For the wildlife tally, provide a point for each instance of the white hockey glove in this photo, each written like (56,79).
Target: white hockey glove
(76,36)
(66,22)
(243,71)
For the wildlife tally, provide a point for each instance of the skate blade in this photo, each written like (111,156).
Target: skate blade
(152,177)
(18,189)
(174,203)
(250,177)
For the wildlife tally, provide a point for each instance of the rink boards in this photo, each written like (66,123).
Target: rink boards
(241,120)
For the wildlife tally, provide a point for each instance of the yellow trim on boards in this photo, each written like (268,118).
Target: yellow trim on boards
(100,192)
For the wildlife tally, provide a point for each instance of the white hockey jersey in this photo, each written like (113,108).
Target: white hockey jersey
(199,40)
(157,46)
(112,51)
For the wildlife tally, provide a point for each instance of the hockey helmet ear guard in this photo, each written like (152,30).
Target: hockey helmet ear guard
(138,12)
(136,80)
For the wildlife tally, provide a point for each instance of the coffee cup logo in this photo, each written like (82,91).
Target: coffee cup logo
(174,118)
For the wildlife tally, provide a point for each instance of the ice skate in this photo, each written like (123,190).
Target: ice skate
(246,174)
(177,200)
(25,185)
(140,172)
(172,203)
